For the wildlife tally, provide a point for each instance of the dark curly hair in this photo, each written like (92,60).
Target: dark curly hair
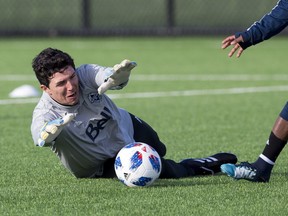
(48,62)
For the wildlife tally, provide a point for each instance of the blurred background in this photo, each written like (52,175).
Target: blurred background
(128,17)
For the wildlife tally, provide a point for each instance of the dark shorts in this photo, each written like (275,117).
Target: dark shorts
(143,132)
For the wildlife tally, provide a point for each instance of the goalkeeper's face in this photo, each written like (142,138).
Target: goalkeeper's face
(64,87)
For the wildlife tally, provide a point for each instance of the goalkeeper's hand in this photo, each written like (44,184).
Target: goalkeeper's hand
(119,77)
(52,129)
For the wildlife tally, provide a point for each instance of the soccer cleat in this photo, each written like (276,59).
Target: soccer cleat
(209,165)
(244,170)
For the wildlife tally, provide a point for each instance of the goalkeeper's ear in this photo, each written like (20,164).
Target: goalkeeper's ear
(45,89)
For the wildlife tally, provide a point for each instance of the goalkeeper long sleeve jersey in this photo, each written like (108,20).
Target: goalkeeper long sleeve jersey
(271,24)
(98,131)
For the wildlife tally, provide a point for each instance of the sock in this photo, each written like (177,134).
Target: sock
(273,148)
(266,160)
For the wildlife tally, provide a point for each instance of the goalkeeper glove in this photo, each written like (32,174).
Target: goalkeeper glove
(119,77)
(52,129)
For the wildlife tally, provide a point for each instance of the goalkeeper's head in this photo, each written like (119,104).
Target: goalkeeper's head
(55,71)
(48,62)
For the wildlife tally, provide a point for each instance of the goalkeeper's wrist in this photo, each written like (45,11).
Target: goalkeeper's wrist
(118,87)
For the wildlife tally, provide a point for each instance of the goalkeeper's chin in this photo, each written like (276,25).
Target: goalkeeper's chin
(72,99)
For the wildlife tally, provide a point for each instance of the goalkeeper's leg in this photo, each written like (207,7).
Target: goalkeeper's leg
(171,169)
(143,132)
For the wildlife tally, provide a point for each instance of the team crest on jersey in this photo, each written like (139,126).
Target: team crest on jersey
(94,97)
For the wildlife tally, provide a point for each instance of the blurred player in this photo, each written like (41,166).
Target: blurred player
(86,130)
(270,25)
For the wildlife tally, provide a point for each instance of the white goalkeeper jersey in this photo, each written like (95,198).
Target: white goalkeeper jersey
(99,130)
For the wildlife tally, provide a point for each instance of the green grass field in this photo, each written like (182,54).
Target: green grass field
(210,118)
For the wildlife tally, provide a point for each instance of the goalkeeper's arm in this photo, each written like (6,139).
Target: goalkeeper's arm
(117,77)
(50,130)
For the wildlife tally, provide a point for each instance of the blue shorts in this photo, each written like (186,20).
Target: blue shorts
(284,112)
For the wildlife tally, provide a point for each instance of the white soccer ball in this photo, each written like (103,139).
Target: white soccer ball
(137,165)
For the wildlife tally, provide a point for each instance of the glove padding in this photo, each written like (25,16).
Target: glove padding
(52,129)
(119,78)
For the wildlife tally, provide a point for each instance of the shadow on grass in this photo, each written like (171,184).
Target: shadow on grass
(188,182)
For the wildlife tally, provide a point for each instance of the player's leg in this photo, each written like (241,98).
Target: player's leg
(275,144)
(143,132)
(188,167)
(260,170)
(196,166)
(172,169)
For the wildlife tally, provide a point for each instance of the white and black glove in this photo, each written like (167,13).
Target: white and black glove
(119,78)
(52,129)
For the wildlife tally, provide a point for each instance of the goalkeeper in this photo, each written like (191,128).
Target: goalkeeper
(86,130)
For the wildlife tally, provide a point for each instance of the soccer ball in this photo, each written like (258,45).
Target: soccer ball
(137,164)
